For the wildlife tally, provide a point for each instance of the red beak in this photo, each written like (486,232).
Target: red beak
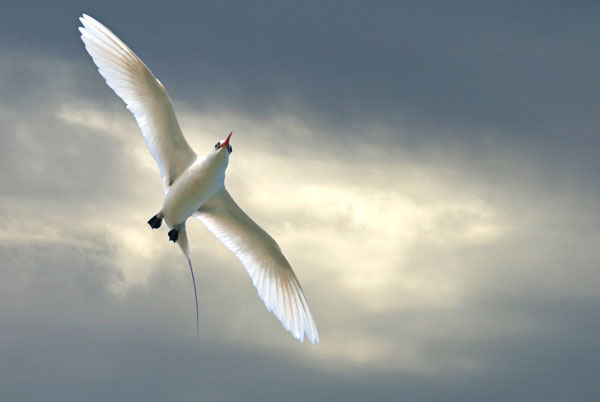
(226,142)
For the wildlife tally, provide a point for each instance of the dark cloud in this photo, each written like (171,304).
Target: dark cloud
(474,123)
(480,76)
(65,338)
(518,68)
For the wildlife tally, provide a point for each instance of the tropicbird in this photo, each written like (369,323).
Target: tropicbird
(195,185)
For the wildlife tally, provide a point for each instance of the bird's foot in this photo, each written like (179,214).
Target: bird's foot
(155,221)
(174,235)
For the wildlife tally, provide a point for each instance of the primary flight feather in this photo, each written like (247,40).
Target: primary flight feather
(195,185)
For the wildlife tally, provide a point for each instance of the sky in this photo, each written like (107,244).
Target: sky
(430,170)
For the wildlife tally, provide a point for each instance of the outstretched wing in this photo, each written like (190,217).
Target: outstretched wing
(144,95)
(270,271)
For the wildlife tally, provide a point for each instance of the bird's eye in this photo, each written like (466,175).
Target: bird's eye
(230,149)
(217,145)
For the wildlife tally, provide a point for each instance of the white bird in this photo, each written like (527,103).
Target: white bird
(195,185)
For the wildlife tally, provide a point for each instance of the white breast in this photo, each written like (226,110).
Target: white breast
(193,188)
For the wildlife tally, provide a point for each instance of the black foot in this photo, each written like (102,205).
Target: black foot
(174,235)
(155,222)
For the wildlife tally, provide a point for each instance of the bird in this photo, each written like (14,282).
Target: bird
(194,185)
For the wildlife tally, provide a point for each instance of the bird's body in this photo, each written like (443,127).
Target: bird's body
(195,185)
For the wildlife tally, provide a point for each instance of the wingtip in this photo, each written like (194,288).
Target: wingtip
(81,29)
(312,338)
(84,17)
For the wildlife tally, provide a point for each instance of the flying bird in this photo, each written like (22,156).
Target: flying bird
(194,186)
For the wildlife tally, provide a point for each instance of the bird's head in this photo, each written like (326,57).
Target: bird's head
(224,146)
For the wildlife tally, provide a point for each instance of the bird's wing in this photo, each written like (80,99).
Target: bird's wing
(270,271)
(144,95)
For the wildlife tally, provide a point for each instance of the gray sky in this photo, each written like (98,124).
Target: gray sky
(429,169)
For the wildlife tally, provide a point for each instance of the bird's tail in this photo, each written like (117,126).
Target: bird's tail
(182,241)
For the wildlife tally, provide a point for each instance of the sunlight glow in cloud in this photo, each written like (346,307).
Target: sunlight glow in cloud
(392,247)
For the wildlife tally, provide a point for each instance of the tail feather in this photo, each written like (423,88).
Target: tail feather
(182,241)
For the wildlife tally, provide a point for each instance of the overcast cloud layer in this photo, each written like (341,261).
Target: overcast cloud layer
(430,170)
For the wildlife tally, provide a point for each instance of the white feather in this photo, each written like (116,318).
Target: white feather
(144,96)
(268,268)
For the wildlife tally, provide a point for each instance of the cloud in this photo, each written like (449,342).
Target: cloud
(439,264)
